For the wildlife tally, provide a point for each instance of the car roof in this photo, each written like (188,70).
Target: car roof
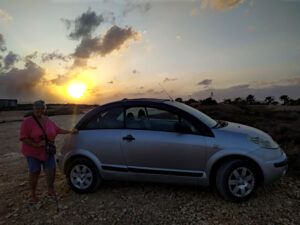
(136,100)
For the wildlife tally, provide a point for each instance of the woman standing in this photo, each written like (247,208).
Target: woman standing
(33,144)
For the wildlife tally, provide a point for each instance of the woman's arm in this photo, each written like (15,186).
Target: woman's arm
(73,131)
(34,144)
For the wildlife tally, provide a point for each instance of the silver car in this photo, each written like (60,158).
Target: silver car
(166,141)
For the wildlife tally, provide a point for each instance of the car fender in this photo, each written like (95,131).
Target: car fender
(234,152)
(85,153)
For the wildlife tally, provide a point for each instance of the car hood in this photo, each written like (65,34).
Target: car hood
(243,129)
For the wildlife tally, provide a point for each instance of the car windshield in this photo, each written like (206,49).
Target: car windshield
(199,115)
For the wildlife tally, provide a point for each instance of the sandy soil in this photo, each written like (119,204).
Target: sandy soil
(130,203)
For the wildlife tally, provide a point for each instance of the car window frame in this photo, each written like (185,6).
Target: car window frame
(173,110)
(206,131)
(96,114)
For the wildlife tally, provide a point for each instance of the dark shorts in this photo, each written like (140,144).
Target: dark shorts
(34,164)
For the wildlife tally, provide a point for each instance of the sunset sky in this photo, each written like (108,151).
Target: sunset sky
(96,51)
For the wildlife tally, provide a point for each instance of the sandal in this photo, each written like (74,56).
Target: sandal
(52,195)
(32,199)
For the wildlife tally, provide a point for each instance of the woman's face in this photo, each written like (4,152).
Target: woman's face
(39,110)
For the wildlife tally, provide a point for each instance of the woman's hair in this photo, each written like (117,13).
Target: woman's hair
(39,103)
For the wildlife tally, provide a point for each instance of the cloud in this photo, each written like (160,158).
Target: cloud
(10,59)
(215,5)
(114,38)
(2,43)
(178,37)
(67,23)
(292,90)
(135,71)
(4,16)
(205,82)
(110,82)
(220,5)
(141,7)
(60,80)
(169,79)
(17,82)
(31,56)
(251,28)
(55,56)
(84,25)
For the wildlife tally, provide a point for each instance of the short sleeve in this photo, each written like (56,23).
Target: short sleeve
(25,129)
(57,128)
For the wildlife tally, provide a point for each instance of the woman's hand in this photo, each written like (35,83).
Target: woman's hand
(74,131)
(42,143)
(34,144)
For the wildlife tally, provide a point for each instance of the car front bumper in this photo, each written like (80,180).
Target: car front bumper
(274,169)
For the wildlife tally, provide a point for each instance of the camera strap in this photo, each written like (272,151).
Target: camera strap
(38,122)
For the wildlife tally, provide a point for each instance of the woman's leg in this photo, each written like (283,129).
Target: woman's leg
(50,170)
(34,166)
(33,180)
(50,177)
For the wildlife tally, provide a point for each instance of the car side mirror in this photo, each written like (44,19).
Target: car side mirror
(181,128)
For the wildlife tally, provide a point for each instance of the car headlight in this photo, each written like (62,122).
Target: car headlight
(264,143)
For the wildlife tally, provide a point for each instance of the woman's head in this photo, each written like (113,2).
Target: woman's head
(39,108)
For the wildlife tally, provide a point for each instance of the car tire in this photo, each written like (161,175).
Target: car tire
(236,180)
(83,176)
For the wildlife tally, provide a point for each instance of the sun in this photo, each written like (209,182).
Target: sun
(76,90)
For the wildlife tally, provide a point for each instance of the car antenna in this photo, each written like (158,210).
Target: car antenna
(166,92)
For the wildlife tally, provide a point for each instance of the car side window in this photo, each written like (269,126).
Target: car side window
(108,119)
(161,120)
(136,118)
(193,129)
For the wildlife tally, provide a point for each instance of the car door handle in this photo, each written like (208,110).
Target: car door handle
(129,137)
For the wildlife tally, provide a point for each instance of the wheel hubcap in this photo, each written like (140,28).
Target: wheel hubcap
(241,182)
(81,176)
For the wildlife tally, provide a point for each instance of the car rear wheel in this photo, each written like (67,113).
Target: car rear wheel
(83,176)
(236,180)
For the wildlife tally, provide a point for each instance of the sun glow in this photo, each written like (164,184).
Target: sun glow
(76,90)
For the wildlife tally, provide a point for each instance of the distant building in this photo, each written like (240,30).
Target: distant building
(8,103)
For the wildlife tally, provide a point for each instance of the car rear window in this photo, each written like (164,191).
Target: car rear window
(108,119)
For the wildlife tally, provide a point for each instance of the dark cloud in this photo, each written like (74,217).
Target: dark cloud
(67,23)
(205,82)
(141,7)
(115,37)
(135,71)
(55,56)
(31,56)
(2,43)
(17,82)
(60,80)
(110,82)
(169,79)
(10,59)
(84,25)
(112,40)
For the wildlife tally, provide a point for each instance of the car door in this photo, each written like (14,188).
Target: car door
(151,144)
(102,135)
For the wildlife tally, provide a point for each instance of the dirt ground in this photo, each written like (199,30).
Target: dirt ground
(130,203)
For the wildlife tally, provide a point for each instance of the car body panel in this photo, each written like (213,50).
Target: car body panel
(168,150)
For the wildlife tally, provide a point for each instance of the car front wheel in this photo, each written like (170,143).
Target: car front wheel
(83,176)
(236,180)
